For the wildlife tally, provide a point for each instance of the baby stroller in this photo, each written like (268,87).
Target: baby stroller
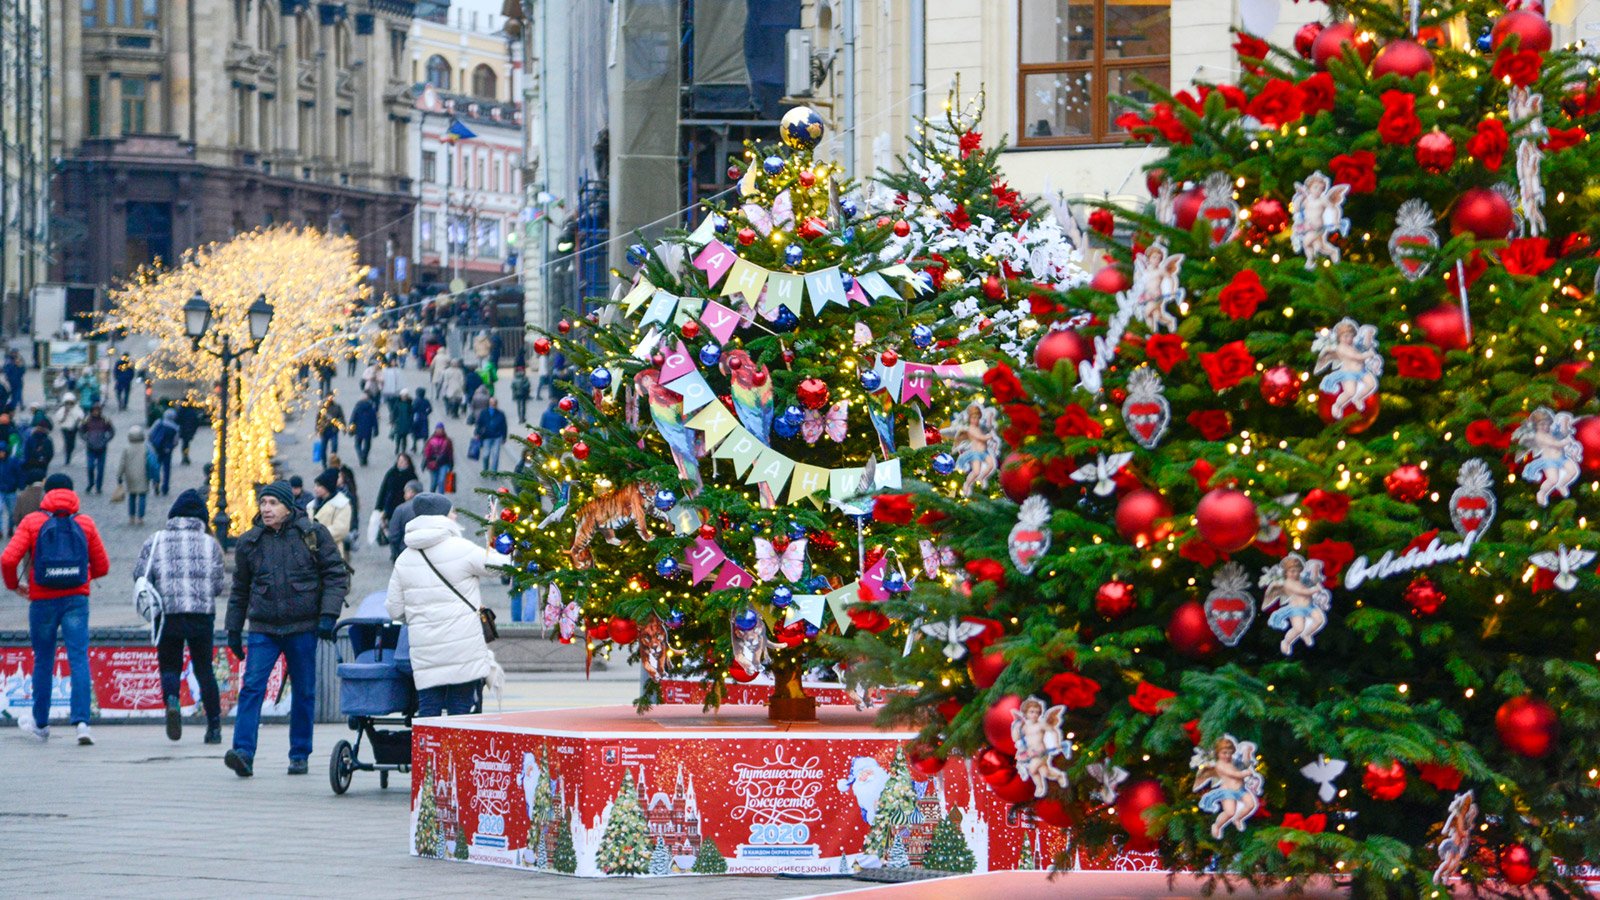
(376,694)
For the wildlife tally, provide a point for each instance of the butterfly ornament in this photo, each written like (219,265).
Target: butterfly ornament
(563,616)
(1565,563)
(790,561)
(780,216)
(833,423)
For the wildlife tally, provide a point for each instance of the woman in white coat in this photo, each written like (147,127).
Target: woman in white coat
(434,589)
(332,509)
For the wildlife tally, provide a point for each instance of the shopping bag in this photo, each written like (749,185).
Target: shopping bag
(474,448)
(316,452)
(450,482)
(374,527)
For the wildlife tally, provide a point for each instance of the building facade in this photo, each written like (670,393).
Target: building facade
(186,121)
(24,152)
(469,190)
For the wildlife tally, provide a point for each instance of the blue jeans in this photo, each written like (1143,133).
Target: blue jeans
(438,479)
(96,461)
(330,444)
(490,451)
(454,699)
(8,503)
(261,652)
(163,483)
(70,616)
(136,506)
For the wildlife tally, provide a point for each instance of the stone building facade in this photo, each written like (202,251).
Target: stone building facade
(24,152)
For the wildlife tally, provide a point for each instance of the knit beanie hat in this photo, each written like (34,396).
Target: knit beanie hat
(430,504)
(58,481)
(189,505)
(329,479)
(279,491)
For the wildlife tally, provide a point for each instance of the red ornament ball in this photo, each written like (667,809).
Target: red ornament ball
(902,228)
(1061,345)
(985,667)
(1280,385)
(563,326)
(1267,216)
(536,440)
(813,228)
(658,359)
(812,393)
(1384,781)
(745,236)
(759,377)
(889,358)
(541,345)
(508,515)
(1110,280)
(735,173)
(690,329)
(1483,213)
(1186,207)
(598,631)
(1436,151)
(1527,726)
(991,763)
(566,404)
(1572,375)
(997,723)
(580,450)
(1132,802)
(1423,596)
(807,178)
(1444,327)
(993,287)
(1228,520)
(924,759)
(623,630)
(1306,37)
(1153,179)
(1012,788)
(1114,599)
(741,674)
(1338,40)
(1356,418)
(1053,812)
(1141,516)
(1518,865)
(1188,632)
(1407,483)
(1405,58)
(1589,436)
(1531,29)
(1019,474)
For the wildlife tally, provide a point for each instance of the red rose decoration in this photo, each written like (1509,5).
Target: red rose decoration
(1334,555)
(1103,221)
(1233,96)
(1317,93)
(1229,365)
(1200,553)
(1250,47)
(1417,361)
(1148,699)
(1443,778)
(1490,144)
(1075,421)
(1058,470)
(1242,295)
(1164,120)
(1520,68)
(1312,824)
(981,570)
(1165,351)
(1004,196)
(1484,433)
(895,509)
(1357,169)
(1562,138)
(1134,124)
(1003,384)
(1328,506)
(1279,103)
(970,141)
(1527,256)
(1201,472)
(1399,123)
(1072,690)
(959,220)
(1213,424)
(1024,421)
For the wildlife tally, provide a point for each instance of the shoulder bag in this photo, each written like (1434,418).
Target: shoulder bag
(146,599)
(485,614)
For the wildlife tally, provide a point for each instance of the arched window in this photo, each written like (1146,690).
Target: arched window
(439,73)
(267,27)
(306,39)
(483,82)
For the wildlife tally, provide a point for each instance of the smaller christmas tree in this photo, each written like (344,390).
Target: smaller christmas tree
(426,839)
(566,856)
(898,857)
(895,805)
(461,843)
(660,859)
(1025,861)
(948,850)
(709,860)
(625,845)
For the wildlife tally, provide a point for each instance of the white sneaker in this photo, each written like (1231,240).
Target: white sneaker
(26,724)
(84,737)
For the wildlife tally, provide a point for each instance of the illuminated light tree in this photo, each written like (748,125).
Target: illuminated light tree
(625,844)
(317,289)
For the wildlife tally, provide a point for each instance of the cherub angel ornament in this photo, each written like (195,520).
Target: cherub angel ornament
(1455,838)
(1036,730)
(1156,285)
(1230,776)
(975,438)
(1297,600)
(1318,208)
(1348,352)
(1552,457)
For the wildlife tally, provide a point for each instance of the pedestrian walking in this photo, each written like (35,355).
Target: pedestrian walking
(421,410)
(66,554)
(434,589)
(347,486)
(37,451)
(489,373)
(10,483)
(330,508)
(28,500)
(400,422)
(389,378)
(133,474)
(15,372)
(289,583)
(97,432)
(122,377)
(183,564)
(521,391)
(541,376)
(403,514)
(452,389)
(439,458)
(480,402)
(491,432)
(552,420)
(68,416)
(393,484)
(330,421)
(442,362)
(325,372)
(188,426)
(297,489)
(364,427)
(163,439)
(87,389)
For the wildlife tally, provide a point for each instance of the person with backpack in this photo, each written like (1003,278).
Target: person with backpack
(289,583)
(37,451)
(364,426)
(163,439)
(133,473)
(439,458)
(400,422)
(521,391)
(183,565)
(97,432)
(421,410)
(331,508)
(15,372)
(66,555)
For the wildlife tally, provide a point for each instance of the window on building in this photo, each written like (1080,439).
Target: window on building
(488,239)
(1074,55)
(308,130)
(459,229)
(91,13)
(425,228)
(91,103)
(241,101)
(478,172)
(430,166)
(267,28)
(397,51)
(344,135)
(241,18)
(494,174)
(135,105)
(150,15)
(439,72)
(483,82)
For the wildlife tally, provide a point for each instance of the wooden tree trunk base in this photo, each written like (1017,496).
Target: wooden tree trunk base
(792,709)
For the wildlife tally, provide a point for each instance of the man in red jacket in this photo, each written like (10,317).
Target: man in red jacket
(56,609)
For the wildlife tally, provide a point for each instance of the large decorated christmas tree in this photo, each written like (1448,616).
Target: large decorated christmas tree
(1294,571)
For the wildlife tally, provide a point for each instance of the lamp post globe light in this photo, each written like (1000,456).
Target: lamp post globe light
(196,325)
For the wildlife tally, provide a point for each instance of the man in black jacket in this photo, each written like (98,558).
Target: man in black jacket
(289,581)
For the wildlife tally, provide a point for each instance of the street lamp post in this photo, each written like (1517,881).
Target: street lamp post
(196,324)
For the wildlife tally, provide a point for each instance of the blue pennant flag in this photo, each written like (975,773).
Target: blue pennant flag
(458,132)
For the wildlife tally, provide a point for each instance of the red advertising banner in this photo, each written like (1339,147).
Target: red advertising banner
(599,792)
(127,683)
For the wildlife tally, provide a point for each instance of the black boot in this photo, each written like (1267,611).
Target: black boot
(213,732)
(174,718)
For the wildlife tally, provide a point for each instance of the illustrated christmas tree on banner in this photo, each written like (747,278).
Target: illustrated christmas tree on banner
(735,413)
(427,839)
(948,850)
(565,858)
(896,804)
(625,844)
(709,860)
(1295,572)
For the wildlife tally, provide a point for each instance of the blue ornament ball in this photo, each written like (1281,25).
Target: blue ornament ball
(895,583)
(848,280)
(848,234)
(786,320)
(600,378)
(871,380)
(1485,42)
(793,254)
(812,630)
(782,596)
(848,207)
(784,428)
(922,336)
(772,164)
(674,618)
(747,619)
(817,583)
(796,531)
(794,415)
(665,500)
(710,355)
(719,224)
(637,254)
(944,464)
(666,567)
(504,544)
(531,567)
(801,128)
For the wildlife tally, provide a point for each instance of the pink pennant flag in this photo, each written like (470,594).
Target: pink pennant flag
(678,364)
(872,580)
(857,294)
(715,260)
(720,319)
(919,378)
(703,557)
(731,577)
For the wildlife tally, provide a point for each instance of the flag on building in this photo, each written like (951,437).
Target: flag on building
(457,132)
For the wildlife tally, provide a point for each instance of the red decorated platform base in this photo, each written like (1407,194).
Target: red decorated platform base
(730,792)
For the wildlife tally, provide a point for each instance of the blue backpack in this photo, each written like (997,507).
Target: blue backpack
(61,553)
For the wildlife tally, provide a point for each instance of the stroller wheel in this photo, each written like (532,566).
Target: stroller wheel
(341,766)
(383,779)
